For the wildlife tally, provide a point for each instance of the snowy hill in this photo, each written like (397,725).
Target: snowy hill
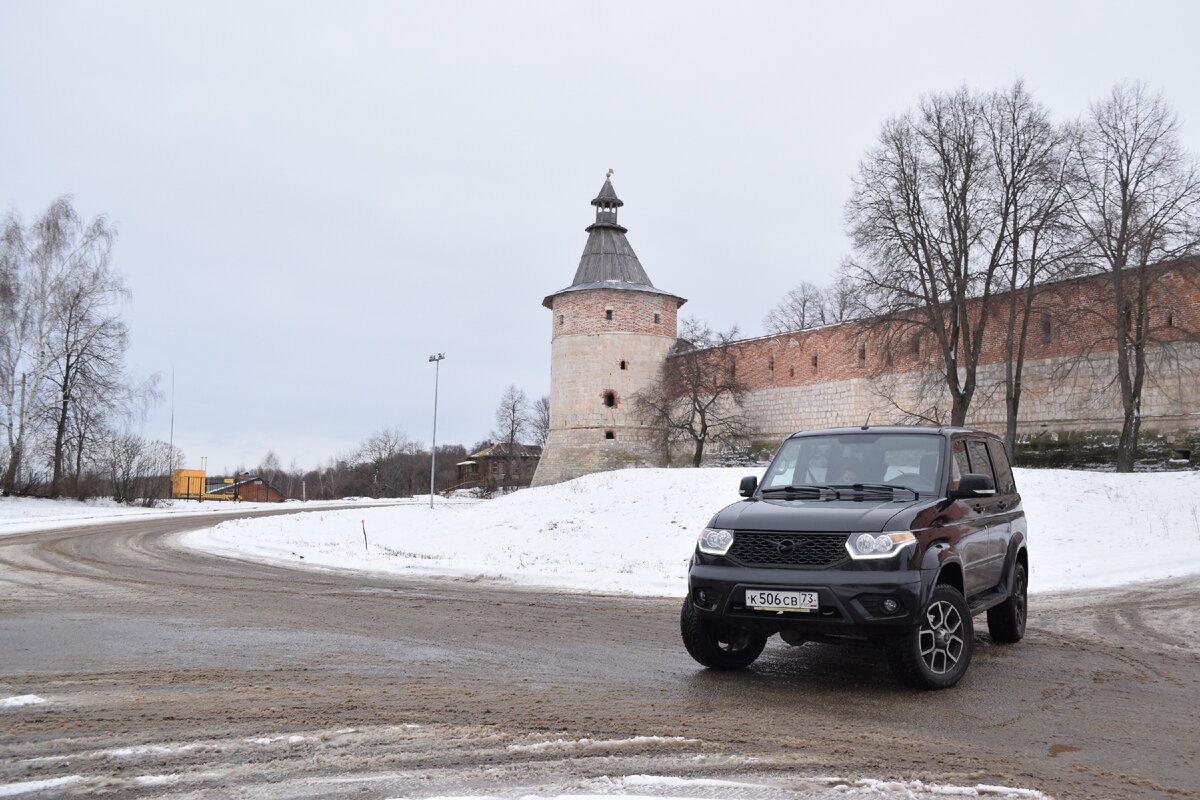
(633,531)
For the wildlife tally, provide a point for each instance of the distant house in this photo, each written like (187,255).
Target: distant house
(250,488)
(490,466)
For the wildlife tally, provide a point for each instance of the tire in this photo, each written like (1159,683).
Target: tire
(717,645)
(1006,622)
(935,654)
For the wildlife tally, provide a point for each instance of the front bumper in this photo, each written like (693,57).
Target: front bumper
(851,601)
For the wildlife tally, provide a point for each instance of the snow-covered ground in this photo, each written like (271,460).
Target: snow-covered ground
(24,514)
(633,531)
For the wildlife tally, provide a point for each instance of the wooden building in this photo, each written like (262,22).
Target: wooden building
(493,468)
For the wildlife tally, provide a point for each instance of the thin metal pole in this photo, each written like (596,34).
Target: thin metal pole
(171,446)
(437,368)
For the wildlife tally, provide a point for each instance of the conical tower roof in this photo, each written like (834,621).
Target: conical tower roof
(608,260)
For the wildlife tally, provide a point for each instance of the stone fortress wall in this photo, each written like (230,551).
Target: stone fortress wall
(841,374)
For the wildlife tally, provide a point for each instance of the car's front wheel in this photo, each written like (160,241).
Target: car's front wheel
(935,654)
(717,645)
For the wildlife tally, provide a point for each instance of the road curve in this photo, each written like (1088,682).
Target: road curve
(170,672)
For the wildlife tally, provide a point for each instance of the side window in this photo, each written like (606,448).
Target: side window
(958,463)
(980,463)
(1004,475)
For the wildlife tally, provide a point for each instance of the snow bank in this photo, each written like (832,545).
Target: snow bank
(633,531)
(24,514)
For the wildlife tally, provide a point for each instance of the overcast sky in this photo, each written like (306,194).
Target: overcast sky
(314,197)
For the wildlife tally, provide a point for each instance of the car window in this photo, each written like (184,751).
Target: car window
(958,464)
(1005,484)
(981,464)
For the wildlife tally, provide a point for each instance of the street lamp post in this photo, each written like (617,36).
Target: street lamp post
(437,368)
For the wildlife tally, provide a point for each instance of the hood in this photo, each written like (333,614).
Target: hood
(814,516)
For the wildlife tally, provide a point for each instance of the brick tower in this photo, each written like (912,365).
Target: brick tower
(610,331)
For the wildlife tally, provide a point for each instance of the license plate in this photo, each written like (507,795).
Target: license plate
(769,600)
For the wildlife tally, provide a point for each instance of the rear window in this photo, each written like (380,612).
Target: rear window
(1005,484)
(980,463)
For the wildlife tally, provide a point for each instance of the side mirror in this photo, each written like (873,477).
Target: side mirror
(973,485)
(747,486)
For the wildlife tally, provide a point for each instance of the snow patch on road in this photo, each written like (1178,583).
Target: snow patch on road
(25,787)
(633,531)
(20,700)
(667,780)
(592,744)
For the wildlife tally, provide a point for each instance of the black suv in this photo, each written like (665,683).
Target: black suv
(897,535)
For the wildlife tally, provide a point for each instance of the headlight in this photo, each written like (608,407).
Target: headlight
(878,545)
(715,541)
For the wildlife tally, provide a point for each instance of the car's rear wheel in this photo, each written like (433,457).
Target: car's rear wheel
(717,645)
(1006,622)
(935,654)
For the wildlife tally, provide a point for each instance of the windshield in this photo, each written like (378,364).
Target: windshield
(913,461)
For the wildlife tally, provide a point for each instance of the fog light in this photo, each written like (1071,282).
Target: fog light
(890,605)
(702,596)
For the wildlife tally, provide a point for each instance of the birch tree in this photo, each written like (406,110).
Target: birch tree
(88,338)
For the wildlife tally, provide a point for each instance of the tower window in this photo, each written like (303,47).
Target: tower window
(862,356)
(560,319)
(1047,330)
(609,435)
(1170,320)
(608,313)
(916,345)
(622,364)
(814,362)
(610,399)
(791,372)
(657,319)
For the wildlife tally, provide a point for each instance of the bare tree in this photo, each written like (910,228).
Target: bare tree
(88,338)
(381,454)
(1138,204)
(30,263)
(137,469)
(841,300)
(540,419)
(1030,159)
(698,396)
(930,225)
(512,425)
(802,307)
(270,467)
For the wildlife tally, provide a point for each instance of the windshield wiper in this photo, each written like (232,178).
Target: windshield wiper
(803,488)
(876,487)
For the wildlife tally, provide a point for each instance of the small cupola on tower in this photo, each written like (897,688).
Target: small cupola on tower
(606,204)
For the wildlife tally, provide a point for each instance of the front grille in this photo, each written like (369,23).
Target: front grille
(771,549)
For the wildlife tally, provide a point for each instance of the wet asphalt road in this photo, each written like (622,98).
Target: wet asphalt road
(176,673)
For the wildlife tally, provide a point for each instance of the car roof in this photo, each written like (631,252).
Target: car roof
(941,430)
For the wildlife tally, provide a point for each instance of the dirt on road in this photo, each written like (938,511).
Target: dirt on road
(172,673)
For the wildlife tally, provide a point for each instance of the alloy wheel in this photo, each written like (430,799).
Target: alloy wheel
(941,638)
